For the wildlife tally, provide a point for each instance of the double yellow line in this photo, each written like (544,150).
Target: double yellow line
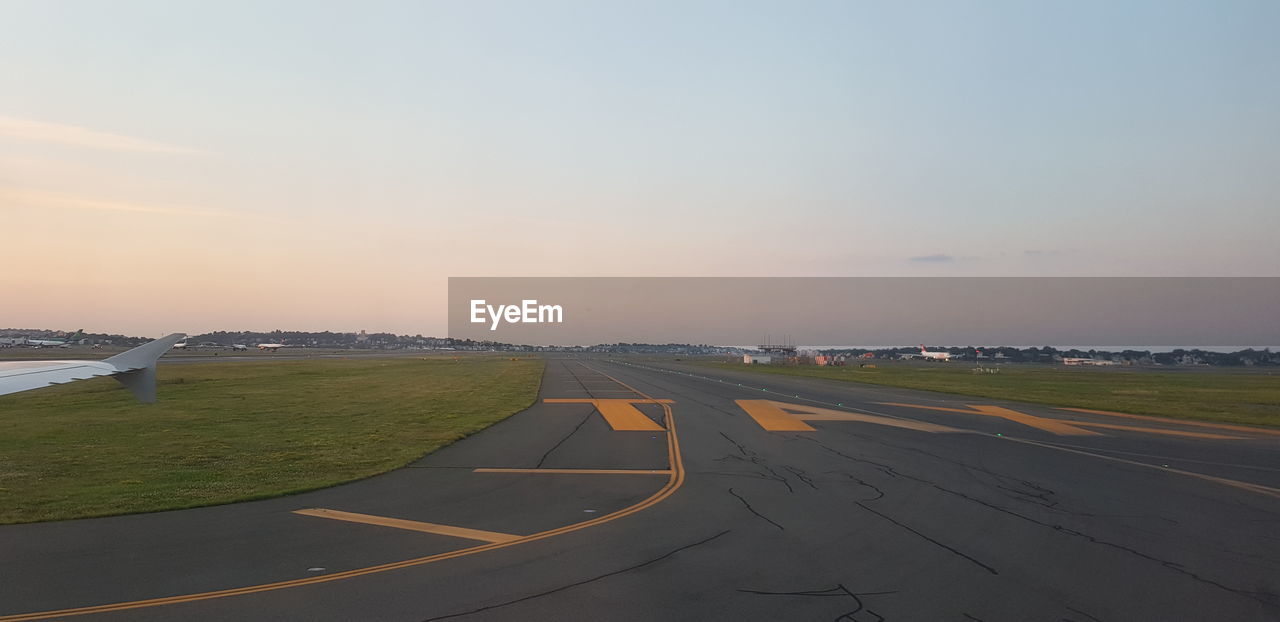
(674,481)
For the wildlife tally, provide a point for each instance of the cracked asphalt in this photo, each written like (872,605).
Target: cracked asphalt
(852,521)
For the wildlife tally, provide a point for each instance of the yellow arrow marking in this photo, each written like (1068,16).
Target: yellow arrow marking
(1057,426)
(1202,424)
(784,417)
(620,413)
(1048,425)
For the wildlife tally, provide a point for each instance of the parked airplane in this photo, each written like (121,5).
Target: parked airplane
(271,346)
(55,343)
(239,346)
(135,369)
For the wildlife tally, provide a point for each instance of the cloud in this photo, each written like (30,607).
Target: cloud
(27,197)
(938,258)
(40,131)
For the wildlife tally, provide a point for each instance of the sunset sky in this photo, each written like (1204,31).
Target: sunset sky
(169,166)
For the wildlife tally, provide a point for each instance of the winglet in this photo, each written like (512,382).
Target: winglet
(137,367)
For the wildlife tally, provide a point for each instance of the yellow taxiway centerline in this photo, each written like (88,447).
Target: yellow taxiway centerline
(411,525)
(581,471)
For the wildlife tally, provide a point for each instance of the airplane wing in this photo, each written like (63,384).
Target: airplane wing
(135,369)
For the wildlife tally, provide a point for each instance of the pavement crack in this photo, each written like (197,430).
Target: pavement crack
(1035,498)
(741,448)
(774,473)
(862,482)
(953,550)
(566,437)
(756,460)
(840,591)
(582,582)
(1266,598)
(886,469)
(1073,610)
(800,474)
(751,475)
(753,510)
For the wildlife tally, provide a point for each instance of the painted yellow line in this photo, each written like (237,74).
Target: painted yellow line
(1182,433)
(580,471)
(411,525)
(622,416)
(674,459)
(783,417)
(588,400)
(674,482)
(1201,424)
(769,416)
(620,413)
(1054,426)
(1064,428)
(1061,428)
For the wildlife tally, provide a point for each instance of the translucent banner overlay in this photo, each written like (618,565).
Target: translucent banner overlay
(867,311)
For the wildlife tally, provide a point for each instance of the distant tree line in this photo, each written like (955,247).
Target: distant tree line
(1049,354)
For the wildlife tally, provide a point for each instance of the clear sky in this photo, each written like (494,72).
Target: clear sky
(172,166)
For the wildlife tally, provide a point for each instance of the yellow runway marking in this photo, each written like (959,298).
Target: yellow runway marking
(1060,427)
(1048,425)
(674,482)
(1201,424)
(411,525)
(784,417)
(580,471)
(620,413)
(1182,433)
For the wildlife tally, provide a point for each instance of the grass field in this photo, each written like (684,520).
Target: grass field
(1227,396)
(225,432)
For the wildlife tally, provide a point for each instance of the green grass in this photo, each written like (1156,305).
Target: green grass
(224,432)
(1232,397)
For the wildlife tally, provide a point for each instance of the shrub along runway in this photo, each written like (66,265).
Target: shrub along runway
(641,491)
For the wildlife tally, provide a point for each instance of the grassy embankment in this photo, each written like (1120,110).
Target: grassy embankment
(1208,395)
(224,432)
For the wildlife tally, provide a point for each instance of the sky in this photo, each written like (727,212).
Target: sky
(194,166)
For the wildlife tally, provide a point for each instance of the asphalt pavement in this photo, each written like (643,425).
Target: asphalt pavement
(667,491)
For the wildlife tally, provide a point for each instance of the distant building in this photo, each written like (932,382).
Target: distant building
(782,350)
(757,359)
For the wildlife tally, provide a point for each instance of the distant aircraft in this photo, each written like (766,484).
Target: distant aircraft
(934,356)
(135,369)
(182,345)
(271,346)
(239,346)
(55,343)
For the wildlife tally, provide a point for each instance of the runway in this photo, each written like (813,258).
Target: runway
(639,491)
